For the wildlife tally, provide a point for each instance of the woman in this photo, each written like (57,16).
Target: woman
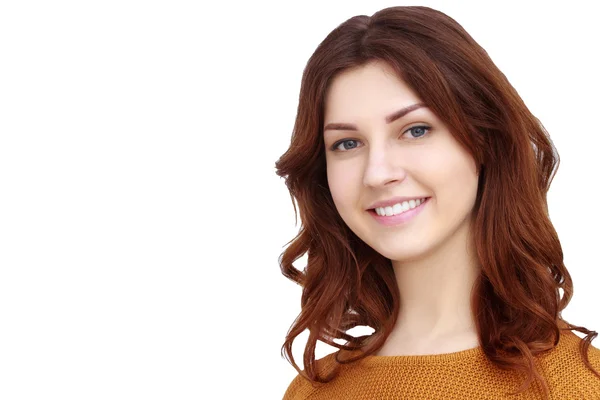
(421,179)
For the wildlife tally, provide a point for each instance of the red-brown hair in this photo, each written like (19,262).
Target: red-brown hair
(516,301)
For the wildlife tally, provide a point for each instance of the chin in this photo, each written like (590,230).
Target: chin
(407,251)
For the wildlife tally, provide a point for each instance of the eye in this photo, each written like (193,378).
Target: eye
(349,144)
(419,130)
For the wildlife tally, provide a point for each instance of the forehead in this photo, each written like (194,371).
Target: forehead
(372,90)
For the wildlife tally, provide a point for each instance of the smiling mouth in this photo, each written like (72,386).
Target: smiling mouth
(397,209)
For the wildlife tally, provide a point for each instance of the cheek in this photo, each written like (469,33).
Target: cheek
(457,178)
(343,183)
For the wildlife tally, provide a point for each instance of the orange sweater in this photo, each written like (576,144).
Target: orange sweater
(461,375)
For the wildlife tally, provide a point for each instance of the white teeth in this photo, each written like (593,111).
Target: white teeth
(398,208)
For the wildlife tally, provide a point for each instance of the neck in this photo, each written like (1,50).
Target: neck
(435,292)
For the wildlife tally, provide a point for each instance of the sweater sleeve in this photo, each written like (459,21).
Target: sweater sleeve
(294,388)
(300,388)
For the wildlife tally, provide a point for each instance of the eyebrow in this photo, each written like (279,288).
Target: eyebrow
(389,119)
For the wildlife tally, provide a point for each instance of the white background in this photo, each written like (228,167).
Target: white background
(141,219)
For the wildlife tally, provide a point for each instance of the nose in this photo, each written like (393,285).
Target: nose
(382,168)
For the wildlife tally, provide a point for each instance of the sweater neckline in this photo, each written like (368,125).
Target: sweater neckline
(445,358)
(441,358)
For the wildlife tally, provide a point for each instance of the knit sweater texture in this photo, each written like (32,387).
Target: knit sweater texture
(466,374)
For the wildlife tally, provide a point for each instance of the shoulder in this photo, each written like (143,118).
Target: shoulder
(568,351)
(300,387)
(566,371)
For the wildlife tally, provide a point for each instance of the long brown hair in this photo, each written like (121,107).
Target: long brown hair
(346,283)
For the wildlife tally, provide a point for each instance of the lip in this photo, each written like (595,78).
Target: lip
(392,201)
(400,218)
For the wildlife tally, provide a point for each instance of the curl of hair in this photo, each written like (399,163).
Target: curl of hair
(516,299)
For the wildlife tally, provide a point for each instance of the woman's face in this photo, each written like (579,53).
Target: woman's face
(371,159)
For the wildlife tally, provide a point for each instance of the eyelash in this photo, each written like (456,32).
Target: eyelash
(338,143)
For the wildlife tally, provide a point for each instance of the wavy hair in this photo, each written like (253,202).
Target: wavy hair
(517,303)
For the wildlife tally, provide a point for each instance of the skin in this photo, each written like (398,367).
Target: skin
(433,255)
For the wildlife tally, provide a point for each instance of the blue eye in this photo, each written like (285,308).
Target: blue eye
(349,144)
(420,127)
(342,142)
